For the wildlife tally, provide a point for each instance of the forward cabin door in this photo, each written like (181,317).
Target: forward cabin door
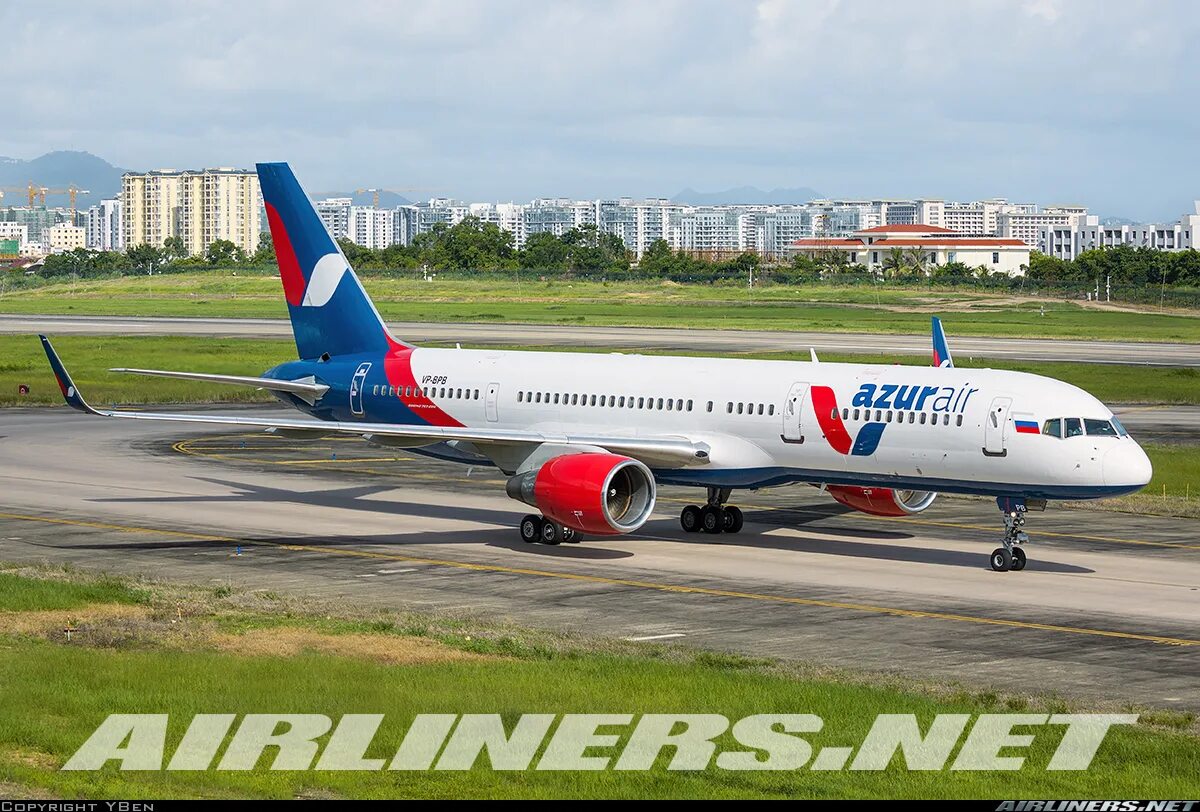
(490,402)
(995,428)
(793,410)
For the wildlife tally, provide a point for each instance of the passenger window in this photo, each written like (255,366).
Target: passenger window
(477,394)
(946,420)
(856,414)
(729,407)
(556,397)
(641,403)
(889,416)
(845,414)
(959,420)
(592,400)
(1074,427)
(1099,428)
(660,404)
(602,399)
(878,416)
(520,397)
(771,409)
(740,405)
(621,402)
(710,406)
(760,408)
(670,404)
(922,418)
(833,414)
(689,404)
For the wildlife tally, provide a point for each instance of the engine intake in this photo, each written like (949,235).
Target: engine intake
(599,494)
(882,501)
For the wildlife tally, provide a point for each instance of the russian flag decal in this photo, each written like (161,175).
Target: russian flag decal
(1027,427)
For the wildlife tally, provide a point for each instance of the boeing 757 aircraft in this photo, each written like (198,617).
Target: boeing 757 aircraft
(586,439)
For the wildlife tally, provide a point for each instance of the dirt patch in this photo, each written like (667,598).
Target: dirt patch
(26,793)
(30,758)
(54,621)
(288,642)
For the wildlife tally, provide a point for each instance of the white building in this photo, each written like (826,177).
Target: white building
(371,227)
(1086,234)
(64,237)
(872,248)
(104,226)
(1029,226)
(981,216)
(15,231)
(335,214)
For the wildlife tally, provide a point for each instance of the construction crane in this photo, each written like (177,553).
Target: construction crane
(375,193)
(34,192)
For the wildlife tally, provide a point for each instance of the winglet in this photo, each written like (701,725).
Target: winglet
(70,393)
(941,350)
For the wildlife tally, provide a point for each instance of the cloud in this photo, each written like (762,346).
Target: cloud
(1048,100)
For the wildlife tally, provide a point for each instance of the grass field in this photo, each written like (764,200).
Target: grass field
(505,299)
(184,650)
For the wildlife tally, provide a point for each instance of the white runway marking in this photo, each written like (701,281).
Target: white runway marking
(654,637)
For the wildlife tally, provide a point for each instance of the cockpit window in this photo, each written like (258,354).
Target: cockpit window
(1053,427)
(1120,429)
(1074,427)
(1099,428)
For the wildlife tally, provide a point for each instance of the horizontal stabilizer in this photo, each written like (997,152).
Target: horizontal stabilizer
(306,388)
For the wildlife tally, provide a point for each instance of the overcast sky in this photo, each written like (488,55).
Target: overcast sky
(1043,100)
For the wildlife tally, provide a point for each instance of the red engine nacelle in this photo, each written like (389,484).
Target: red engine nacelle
(599,494)
(882,501)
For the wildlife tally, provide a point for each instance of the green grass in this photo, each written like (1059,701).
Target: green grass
(55,694)
(1176,471)
(503,299)
(89,358)
(19,594)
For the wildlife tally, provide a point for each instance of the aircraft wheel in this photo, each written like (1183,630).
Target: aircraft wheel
(531,528)
(570,535)
(733,519)
(1002,560)
(1018,559)
(689,519)
(551,533)
(711,520)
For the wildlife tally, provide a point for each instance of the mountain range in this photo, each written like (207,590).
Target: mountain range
(58,170)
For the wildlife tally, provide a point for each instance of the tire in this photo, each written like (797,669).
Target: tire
(551,533)
(689,519)
(733,519)
(1002,560)
(711,520)
(531,529)
(1018,559)
(570,535)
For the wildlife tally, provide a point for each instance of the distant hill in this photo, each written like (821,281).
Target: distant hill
(747,194)
(58,170)
(387,200)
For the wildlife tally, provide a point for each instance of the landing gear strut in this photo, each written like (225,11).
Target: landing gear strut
(1010,556)
(538,528)
(714,517)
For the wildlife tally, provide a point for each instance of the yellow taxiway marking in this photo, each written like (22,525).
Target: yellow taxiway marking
(184,447)
(631,583)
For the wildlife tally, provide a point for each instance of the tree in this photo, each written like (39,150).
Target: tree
(594,251)
(144,257)
(265,253)
(545,252)
(223,253)
(173,249)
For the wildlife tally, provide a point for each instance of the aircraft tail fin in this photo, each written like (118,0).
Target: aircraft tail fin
(330,311)
(941,350)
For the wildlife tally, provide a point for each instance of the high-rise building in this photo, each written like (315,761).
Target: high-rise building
(59,239)
(198,206)
(335,214)
(103,223)
(1030,226)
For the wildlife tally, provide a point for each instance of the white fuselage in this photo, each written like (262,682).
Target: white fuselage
(927,428)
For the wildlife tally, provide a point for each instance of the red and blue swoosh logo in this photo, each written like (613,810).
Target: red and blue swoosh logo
(829,418)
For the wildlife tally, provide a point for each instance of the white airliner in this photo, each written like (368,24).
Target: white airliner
(587,438)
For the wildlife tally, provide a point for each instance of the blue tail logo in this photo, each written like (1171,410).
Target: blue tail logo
(330,311)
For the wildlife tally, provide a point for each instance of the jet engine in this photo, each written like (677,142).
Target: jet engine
(598,494)
(882,501)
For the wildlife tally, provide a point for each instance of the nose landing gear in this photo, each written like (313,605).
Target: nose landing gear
(1010,556)
(714,517)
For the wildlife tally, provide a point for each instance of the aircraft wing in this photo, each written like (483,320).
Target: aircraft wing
(661,450)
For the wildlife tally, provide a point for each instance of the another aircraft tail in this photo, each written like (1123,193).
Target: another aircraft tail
(330,312)
(941,350)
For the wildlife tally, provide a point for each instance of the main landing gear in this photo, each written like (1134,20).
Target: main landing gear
(536,528)
(1010,556)
(714,517)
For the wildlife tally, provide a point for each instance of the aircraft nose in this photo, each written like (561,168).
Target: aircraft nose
(1127,465)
